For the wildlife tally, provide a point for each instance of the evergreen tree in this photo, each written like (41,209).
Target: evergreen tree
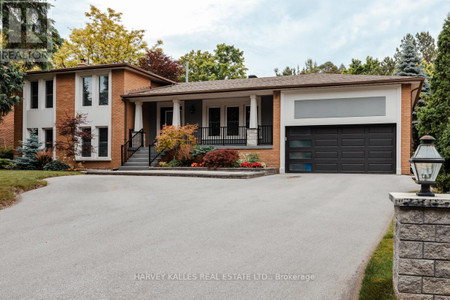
(409,62)
(28,149)
(434,118)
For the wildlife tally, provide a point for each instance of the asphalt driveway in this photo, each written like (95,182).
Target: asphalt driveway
(117,237)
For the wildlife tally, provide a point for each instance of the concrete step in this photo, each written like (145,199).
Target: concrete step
(137,163)
(133,168)
(138,159)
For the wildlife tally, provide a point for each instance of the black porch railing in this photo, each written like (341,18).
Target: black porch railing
(134,143)
(217,135)
(232,135)
(265,135)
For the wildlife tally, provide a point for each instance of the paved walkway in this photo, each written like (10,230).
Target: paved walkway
(91,237)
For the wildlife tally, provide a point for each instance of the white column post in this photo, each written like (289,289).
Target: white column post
(252,131)
(253,112)
(138,123)
(176,113)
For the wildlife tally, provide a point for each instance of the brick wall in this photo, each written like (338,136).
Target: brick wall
(65,102)
(18,124)
(422,253)
(122,81)
(7,130)
(406,130)
(271,156)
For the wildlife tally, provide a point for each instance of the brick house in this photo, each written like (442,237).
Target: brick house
(304,123)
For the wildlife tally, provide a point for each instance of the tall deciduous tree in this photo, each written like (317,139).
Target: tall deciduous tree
(426,46)
(434,118)
(104,40)
(227,62)
(11,78)
(156,61)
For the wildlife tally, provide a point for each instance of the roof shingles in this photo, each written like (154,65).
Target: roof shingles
(310,80)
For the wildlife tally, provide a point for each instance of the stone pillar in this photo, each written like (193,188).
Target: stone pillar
(421,246)
(176,113)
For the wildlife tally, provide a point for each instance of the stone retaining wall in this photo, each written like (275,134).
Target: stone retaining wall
(421,247)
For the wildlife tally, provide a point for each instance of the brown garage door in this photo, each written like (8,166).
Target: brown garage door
(341,149)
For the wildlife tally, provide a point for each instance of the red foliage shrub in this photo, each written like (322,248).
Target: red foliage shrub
(221,158)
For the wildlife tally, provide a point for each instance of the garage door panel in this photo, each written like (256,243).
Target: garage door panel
(347,149)
(353,142)
(326,142)
(328,154)
(381,154)
(352,130)
(353,154)
(380,168)
(381,142)
(326,167)
(353,168)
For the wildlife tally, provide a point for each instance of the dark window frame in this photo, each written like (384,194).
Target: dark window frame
(86,93)
(214,126)
(103,142)
(232,125)
(85,143)
(48,96)
(105,93)
(48,142)
(34,95)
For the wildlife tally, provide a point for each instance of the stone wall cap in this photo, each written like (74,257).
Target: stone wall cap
(412,200)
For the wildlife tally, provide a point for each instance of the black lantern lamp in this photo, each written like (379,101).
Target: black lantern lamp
(426,163)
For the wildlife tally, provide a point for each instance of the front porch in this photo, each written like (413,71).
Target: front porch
(243,121)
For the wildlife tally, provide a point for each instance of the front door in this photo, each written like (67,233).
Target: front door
(166,116)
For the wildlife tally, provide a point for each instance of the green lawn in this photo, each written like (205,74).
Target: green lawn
(13,182)
(377,281)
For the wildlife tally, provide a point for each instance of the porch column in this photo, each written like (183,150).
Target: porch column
(138,123)
(252,131)
(253,112)
(138,140)
(176,113)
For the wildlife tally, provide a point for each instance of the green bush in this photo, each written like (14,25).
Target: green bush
(56,165)
(174,163)
(6,163)
(7,152)
(251,158)
(201,150)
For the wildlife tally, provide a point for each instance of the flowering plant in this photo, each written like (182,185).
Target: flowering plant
(245,165)
(257,165)
(195,165)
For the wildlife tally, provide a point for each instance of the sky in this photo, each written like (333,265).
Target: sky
(272,33)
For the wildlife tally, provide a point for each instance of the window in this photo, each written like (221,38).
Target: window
(86,144)
(301,167)
(49,94)
(214,121)
(87,91)
(48,139)
(103,142)
(232,120)
(300,143)
(34,94)
(103,90)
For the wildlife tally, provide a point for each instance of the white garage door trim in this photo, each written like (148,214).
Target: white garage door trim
(393,111)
